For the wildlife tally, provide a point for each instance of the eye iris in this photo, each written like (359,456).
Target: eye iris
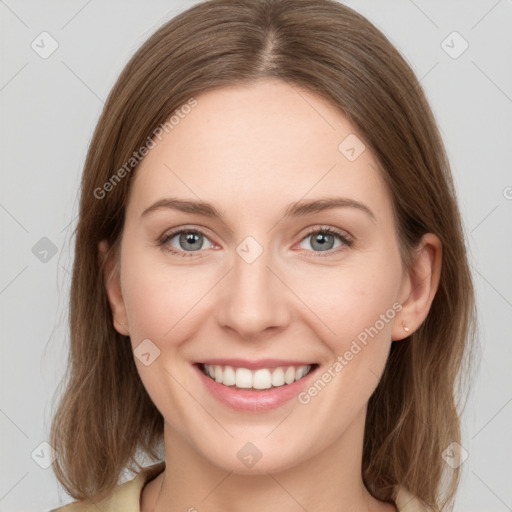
(320,238)
(188,237)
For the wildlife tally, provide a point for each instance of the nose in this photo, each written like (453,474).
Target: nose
(254,301)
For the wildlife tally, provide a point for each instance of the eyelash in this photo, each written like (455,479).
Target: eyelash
(348,242)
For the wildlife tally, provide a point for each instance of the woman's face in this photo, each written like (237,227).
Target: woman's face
(261,286)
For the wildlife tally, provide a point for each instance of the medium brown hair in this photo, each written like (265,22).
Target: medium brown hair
(105,416)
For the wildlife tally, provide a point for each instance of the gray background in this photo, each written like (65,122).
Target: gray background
(49,109)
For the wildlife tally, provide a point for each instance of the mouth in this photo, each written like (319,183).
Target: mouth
(264,386)
(258,379)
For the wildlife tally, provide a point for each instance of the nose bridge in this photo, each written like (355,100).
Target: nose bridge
(254,299)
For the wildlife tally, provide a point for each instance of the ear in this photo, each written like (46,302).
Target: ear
(419,286)
(113,287)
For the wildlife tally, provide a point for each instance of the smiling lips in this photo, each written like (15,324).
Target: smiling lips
(255,386)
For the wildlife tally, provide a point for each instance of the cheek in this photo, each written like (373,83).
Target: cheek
(356,301)
(359,307)
(159,308)
(153,300)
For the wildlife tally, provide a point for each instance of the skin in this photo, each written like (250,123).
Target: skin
(251,151)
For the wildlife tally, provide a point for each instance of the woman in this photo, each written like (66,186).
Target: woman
(270,278)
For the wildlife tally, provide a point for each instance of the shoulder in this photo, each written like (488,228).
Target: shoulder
(124,498)
(407,502)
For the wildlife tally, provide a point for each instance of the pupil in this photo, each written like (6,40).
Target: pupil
(190,238)
(321,240)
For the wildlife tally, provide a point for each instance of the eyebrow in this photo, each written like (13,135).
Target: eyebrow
(298,209)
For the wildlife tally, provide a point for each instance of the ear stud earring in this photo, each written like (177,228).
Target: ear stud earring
(405,328)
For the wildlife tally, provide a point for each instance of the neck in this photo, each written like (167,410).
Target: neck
(330,481)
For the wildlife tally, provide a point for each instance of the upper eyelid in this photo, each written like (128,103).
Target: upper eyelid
(173,232)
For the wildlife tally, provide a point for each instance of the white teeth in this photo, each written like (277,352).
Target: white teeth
(229,376)
(263,378)
(289,376)
(301,372)
(278,377)
(243,377)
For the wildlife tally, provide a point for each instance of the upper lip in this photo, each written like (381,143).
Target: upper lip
(260,363)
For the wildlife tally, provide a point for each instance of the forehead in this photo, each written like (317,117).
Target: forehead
(253,146)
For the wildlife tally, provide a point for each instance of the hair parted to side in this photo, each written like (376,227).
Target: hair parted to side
(105,415)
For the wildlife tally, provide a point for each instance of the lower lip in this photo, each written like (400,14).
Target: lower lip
(249,400)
